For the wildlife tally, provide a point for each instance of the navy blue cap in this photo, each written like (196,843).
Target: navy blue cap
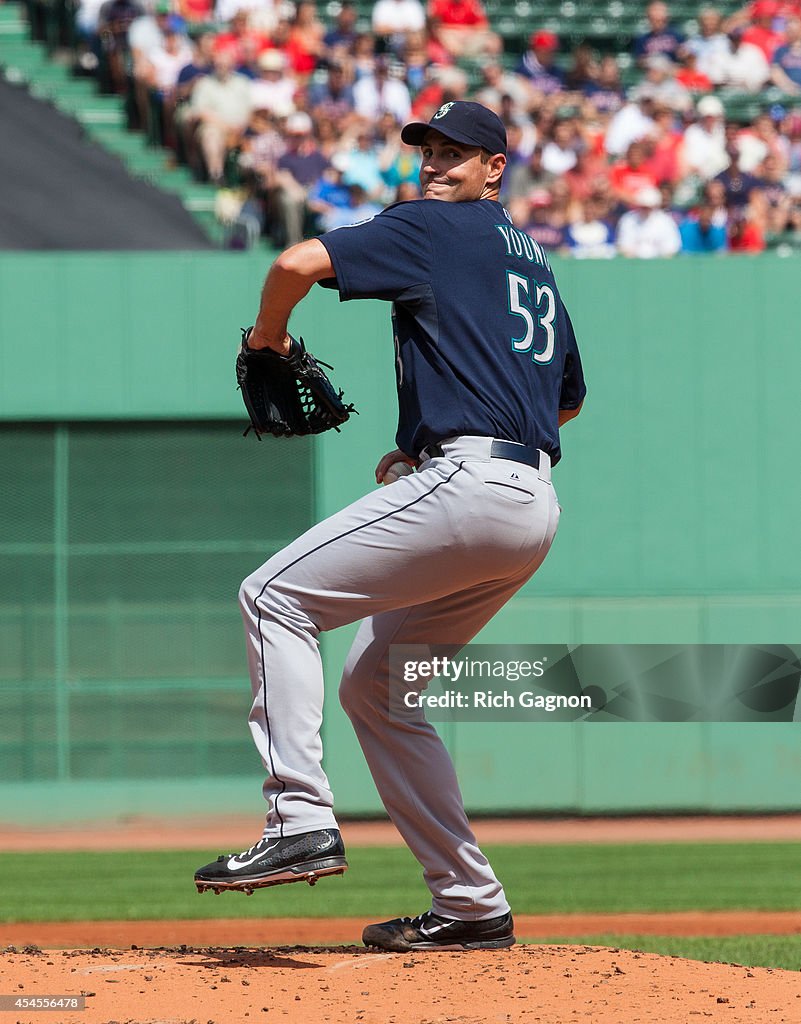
(461,121)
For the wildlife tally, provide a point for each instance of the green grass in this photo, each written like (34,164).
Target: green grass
(387,882)
(783,951)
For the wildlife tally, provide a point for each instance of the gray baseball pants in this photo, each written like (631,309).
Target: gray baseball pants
(428,559)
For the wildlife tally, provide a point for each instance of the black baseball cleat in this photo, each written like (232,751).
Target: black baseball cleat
(430,931)
(302,858)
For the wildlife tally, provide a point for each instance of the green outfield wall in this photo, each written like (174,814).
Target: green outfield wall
(131,507)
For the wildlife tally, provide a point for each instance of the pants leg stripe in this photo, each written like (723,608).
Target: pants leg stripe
(331,540)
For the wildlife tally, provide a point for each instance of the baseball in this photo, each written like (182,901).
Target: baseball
(395,471)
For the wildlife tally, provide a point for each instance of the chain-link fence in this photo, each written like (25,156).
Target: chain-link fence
(121,552)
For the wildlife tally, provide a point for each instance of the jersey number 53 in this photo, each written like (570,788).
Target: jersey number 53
(535,304)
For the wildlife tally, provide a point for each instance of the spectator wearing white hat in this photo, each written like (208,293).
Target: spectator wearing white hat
(705,141)
(646,231)
(298,170)
(274,89)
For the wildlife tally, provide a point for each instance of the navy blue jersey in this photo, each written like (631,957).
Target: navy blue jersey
(484,344)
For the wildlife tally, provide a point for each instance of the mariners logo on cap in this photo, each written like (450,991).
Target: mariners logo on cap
(464,122)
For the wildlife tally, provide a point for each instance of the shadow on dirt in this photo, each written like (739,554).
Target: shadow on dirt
(286,956)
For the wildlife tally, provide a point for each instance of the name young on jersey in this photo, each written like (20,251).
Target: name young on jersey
(523,246)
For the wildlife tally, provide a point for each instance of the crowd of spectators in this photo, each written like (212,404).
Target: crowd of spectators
(303,118)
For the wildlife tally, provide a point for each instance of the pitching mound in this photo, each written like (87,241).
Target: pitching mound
(544,984)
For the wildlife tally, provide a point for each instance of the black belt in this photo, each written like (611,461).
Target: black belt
(499,450)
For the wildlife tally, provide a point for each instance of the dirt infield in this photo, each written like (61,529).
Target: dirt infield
(542,984)
(317,931)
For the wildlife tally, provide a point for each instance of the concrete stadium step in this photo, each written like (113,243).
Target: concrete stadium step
(98,113)
(14,27)
(177,180)
(12,24)
(12,32)
(199,198)
(60,85)
(11,12)
(139,156)
(149,167)
(88,108)
(119,140)
(21,53)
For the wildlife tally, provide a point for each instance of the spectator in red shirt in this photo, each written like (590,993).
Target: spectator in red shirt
(306,39)
(665,148)
(761,33)
(436,53)
(745,232)
(583,179)
(689,76)
(198,11)
(459,13)
(464,28)
(241,40)
(631,175)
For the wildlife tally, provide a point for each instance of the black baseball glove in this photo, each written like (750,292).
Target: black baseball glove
(287,395)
